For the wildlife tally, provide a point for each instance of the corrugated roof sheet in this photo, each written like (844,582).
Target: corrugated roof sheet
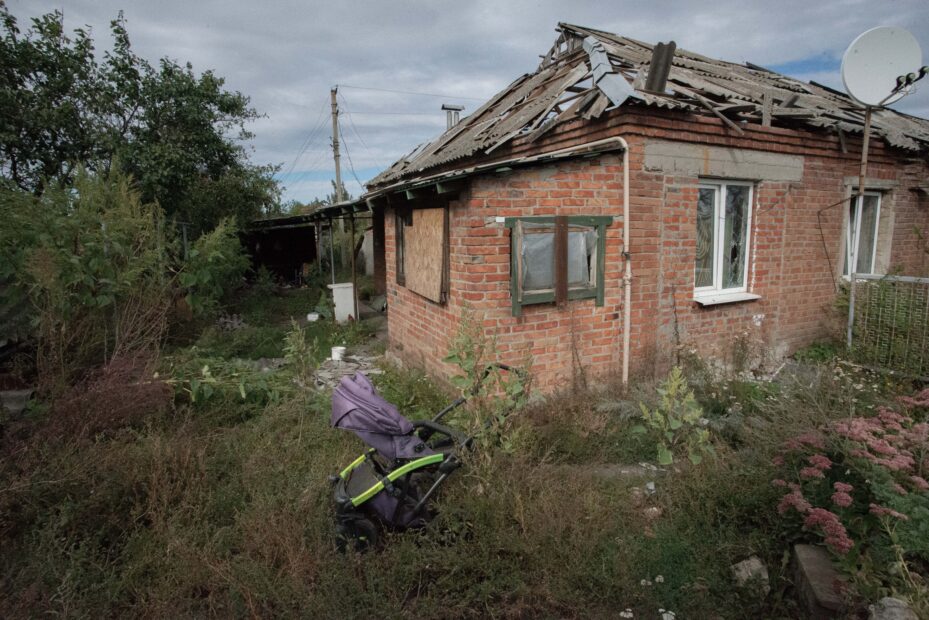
(562,90)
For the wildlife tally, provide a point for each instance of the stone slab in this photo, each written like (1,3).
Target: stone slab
(816,580)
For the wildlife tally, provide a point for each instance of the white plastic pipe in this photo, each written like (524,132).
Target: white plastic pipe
(627,273)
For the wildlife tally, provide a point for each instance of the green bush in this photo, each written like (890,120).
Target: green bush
(214,268)
(94,263)
(677,423)
(819,352)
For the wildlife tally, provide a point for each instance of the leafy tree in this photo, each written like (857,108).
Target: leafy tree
(177,133)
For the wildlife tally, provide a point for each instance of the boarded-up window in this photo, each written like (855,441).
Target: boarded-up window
(537,257)
(555,259)
(422,251)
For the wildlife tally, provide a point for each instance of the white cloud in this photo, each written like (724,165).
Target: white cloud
(287,54)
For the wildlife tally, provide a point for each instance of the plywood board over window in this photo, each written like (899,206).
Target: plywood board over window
(424,253)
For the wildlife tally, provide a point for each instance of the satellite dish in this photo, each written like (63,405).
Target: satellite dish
(873,62)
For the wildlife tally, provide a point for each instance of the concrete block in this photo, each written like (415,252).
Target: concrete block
(751,572)
(716,161)
(889,608)
(817,580)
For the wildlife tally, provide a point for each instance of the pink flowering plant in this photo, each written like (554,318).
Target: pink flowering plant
(859,485)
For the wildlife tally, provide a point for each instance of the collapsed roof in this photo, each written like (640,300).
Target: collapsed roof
(588,72)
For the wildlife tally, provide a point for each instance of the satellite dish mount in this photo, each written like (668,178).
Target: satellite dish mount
(876,71)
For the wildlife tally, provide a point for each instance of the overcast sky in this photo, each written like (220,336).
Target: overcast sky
(287,54)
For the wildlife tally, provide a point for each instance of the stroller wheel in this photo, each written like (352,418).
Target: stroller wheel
(360,534)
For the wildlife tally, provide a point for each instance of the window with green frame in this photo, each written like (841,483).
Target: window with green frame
(555,259)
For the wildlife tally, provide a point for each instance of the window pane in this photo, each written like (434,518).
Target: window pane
(735,236)
(852,210)
(867,235)
(538,261)
(706,230)
(582,247)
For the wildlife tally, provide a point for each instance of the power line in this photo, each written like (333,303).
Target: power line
(397,114)
(408,92)
(309,138)
(348,155)
(311,135)
(355,129)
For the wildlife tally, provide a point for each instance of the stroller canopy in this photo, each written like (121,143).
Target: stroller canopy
(357,407)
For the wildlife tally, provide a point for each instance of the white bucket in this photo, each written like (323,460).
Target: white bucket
(337,353)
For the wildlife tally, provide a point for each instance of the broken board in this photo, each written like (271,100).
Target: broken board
(424,253)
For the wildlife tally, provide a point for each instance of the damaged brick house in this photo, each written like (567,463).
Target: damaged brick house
(625,200)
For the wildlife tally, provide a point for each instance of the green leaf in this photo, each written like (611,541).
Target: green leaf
(452,359)
(674,423)
(664,455)
(460,381)
(695,457)
(638,429)
(242,390)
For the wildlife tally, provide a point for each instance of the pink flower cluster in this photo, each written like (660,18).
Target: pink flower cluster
(794,500)
(920,400)
(812,440)
(842,496)
(820,462)
(882,511)
(808,473)
(835,534)
(883,439)
(889,440)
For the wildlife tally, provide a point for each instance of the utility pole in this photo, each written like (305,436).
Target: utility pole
(335,142)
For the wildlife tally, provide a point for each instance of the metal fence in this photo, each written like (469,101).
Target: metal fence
(891,323)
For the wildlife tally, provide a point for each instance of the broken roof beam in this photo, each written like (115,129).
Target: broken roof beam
(607,80)
(709,106)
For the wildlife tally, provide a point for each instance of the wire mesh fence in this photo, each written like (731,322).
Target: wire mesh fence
(891,324)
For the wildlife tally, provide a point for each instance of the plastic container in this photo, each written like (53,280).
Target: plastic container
(312,317)
(343,297)
(338,353)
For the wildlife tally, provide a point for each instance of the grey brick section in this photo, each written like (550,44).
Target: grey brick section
(714,161)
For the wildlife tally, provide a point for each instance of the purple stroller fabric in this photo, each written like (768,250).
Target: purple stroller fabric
(357,407)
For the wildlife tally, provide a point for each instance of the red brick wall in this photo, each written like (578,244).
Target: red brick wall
(420,331)
(790,267)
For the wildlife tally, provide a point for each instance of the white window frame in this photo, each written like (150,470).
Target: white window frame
(719,217)
(849,251)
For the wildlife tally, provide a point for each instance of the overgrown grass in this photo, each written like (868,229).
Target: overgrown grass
(222,507)
(186,518)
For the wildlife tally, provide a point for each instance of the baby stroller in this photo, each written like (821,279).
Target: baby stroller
(392,482)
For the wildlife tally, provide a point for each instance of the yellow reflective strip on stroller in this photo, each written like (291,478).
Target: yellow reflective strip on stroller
(395,474)
(355,463)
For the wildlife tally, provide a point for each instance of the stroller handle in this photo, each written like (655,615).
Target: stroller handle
(488,368)
(434,427)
